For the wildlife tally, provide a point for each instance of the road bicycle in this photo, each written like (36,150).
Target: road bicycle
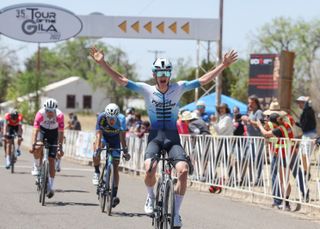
(105,188)
(13,157)
(43,177)
(164,207)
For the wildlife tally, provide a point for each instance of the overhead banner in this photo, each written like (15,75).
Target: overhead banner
(264,77)
(150,27)
(39,23)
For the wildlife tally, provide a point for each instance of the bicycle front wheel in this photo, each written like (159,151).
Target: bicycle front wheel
(102,190)
(168,205)
(12,158)
(44,181)
(157,219)
(110,190)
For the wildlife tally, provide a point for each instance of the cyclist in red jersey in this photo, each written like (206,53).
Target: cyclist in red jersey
(12,126)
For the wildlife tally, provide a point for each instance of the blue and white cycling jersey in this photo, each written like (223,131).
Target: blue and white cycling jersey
(108,130)
(163,108)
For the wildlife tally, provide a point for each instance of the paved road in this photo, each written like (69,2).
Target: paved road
(75,205)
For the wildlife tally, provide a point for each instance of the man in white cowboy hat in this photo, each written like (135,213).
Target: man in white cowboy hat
(195,124)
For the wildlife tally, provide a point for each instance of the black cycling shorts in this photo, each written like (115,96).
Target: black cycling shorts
(12,130)
(168,140)
(52,139)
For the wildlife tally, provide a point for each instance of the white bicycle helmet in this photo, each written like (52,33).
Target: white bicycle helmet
(50,104)
(161,64)
(112,110)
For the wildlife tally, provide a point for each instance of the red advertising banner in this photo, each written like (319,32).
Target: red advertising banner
(263,77)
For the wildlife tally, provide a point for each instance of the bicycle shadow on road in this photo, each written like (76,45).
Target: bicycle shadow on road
(70,190)
(65,175)
(63,204)
(130,214)
(21,173)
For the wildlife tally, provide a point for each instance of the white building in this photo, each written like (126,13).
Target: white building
(73,94)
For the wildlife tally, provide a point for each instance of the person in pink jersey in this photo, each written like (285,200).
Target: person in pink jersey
(49,125)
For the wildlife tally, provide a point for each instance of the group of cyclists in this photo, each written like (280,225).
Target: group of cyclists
(162,103)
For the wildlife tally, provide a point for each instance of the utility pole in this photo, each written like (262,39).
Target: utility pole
(219,77)
(37,102)
(156,52)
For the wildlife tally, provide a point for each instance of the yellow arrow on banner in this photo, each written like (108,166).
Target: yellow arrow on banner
(136,26)
(186,27)
(160,27)
(123,26)
(173,27)
(148,27)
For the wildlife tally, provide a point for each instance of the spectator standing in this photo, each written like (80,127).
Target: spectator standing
(307,123)
(237,122)
(130,120)
(182,126)
(70,121)
(143,129)
(195,124)
(201,108)
(77,124)
(224,126)
(256,152)
(280,130)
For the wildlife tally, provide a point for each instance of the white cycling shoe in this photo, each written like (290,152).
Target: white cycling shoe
(148,207)
(95,178)
(35,171)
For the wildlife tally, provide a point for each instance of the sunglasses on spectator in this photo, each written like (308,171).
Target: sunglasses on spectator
(199,107)
(163,73)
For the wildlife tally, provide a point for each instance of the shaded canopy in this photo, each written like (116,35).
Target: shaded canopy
(210,101)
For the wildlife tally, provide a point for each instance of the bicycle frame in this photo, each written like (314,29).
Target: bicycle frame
(43,177)
(12,152)
(106,181)
(164,193)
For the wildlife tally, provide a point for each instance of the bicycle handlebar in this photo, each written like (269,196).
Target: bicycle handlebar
(159,157)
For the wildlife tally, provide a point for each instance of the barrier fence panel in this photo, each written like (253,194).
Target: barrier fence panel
(282,169)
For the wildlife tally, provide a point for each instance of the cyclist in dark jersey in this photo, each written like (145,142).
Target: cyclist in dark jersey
(110,130)
(12,126)
(162,102)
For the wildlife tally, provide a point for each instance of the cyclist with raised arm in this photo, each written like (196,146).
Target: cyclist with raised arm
(12,126)
(49,125)
(110,130)
(162,103)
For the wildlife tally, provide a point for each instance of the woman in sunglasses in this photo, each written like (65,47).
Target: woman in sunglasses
(162,103)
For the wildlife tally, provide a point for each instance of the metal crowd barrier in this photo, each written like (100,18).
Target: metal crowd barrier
(245,164)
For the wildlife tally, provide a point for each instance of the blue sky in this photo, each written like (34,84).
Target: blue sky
(241,17)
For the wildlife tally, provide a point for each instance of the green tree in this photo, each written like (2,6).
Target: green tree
(231,80)
(71,58)
(8,66)
(297,36)
(239,86)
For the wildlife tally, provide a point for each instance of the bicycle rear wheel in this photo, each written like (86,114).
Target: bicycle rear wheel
(102,190)
(109,185)
(168,205)
(158,220)
(44,182)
